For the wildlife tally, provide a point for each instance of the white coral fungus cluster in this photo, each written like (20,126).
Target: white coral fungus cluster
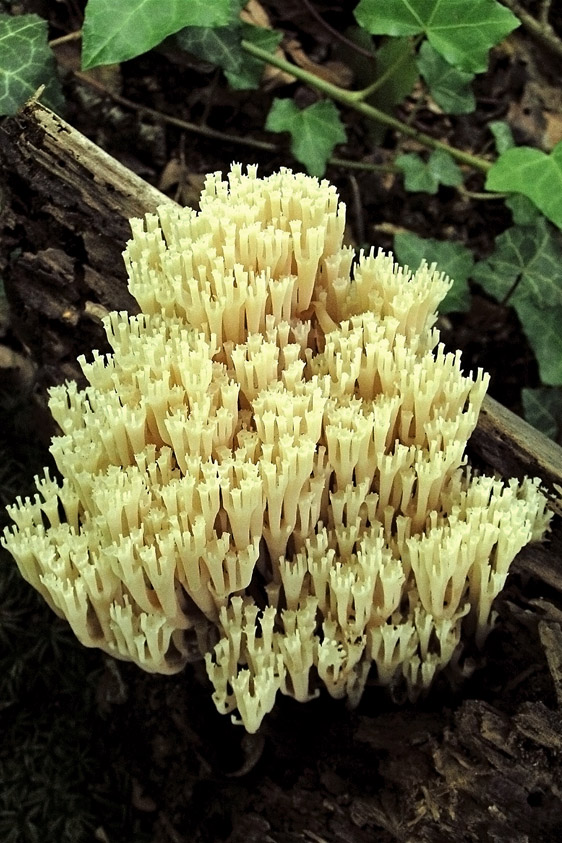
(271,462)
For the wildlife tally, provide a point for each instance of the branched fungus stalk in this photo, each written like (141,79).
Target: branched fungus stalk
(271,462)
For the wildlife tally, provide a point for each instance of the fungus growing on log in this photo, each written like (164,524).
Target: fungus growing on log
(271,462)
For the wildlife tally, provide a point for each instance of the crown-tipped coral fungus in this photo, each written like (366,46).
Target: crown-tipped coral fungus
(271,462)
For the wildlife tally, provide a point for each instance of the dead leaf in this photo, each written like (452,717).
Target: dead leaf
(527,115)
(335,72)
(171,175)
(255,14)
(553,131)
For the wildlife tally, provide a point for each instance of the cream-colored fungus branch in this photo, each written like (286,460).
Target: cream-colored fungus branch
(271,462)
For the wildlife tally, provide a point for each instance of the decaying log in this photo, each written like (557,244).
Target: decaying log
(489,776)
(513,447)
(474,772)
(65,211)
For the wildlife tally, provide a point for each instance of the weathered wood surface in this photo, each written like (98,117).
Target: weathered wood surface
(65,207)
(511,445)
(471,771)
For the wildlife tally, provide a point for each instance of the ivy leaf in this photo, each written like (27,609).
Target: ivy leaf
(315,131)
(462,31)
(425,177)
(26,63)
(523,211)
(248,74)
(218,45)
(452,258)
(543,409)
(503,135)
(534,174)
(115,32)
(396,62)
(222,46)
(449,87)
(392,66)
(524,271)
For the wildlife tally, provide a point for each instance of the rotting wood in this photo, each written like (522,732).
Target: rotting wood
(511,445)
(64,224)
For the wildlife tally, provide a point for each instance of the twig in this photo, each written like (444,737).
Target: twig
(363,165)
(357,209)
(347,98)
(206,131)
(544,11)
(540,29)
(64,39)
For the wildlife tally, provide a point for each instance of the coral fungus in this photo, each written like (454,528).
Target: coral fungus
(271,462)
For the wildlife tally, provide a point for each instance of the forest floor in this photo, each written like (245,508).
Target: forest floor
(94,750)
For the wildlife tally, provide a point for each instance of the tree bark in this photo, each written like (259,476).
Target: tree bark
(65,211)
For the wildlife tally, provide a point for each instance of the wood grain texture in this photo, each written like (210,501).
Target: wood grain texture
(512,446)
(65,211)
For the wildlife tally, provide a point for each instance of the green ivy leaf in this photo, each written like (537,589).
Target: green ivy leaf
(462,31)
(248,74)
(392,66)
(503,135)
(425,177)
(222,46)
(524,270)
(523,211)
(452,258)
(218,45)
(115,32)
(26,63)
(315,131)
(543,409)
(534,174)
(396,62)
(449,87)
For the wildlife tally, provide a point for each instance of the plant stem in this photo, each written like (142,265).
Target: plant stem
(64,39)
(544,11)
(348,98)
(474,194)
(363,165)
